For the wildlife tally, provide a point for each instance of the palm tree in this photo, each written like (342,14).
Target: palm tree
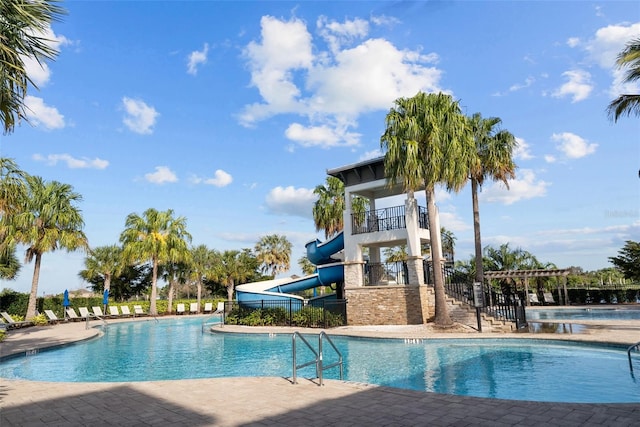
(13,189)
(493,160)
(504,258)
(23,25)
(174,273)
(47,219)
(626,104)
(328,210)
(104,262)
(201,267)
(427,142)
(155,237)
(273,252)
(306,266)
(233,267)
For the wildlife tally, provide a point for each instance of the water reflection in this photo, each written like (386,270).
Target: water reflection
(556,328)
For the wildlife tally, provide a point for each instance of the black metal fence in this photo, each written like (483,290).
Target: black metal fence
(505,306)
(392,218)
(323,313)
(386,273)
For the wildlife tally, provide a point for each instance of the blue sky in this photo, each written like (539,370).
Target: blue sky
(230,113)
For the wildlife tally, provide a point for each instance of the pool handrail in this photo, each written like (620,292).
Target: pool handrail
(635,346)
(318,360)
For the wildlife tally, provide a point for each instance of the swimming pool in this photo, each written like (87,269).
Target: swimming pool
(520,369)
(584,313)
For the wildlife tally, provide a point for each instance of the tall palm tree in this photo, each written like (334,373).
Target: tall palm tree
(22,27)
(273,252)
(329,208)
(427,142)
(155,237)
(13,189)
(48,219)
(306,266)
(233,267)
(626,104)
(175,274)
(104,262)
(201,267)
(493,160)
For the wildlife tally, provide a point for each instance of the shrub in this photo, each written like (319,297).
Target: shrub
(40,320)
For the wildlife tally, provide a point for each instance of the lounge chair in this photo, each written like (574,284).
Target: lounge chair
(97,311)
(220,308)
(84,312)
(180,309)
(51,316)
(138,311)
(72,315)
(547,297)
(193,308)
(125,310)
(113,311)
(208,307)
(12,323)
(533,299)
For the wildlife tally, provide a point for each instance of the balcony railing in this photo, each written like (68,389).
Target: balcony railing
(392,218)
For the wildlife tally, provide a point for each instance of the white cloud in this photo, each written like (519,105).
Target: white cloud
(331,87)
(323,136)
(573,41)
(550,158)
(573,146)
(524,186)
(522,150)
(368,155)
(452,222)
(604,48)
(220,179)
(336,34)
(527,82)
(72,162)
(196,58)
(38,113)
(578,86)
(161,175)
(140,117)
(291,201)
(39,72)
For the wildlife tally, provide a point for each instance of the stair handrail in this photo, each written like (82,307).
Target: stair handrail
(316,361)
(635,346)
(324,335)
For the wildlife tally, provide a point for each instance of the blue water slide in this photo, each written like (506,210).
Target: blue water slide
(328,271)
(320,252)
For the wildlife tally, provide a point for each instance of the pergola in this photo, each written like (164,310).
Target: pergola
(526,274)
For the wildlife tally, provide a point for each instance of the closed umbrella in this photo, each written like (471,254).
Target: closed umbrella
(65,302)
(105,300)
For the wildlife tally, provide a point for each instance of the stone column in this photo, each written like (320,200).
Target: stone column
(414,249)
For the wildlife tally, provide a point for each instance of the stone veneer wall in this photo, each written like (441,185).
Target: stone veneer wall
(389,305)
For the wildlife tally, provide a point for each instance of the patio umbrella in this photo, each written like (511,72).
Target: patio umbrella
(65,302)
(105,300)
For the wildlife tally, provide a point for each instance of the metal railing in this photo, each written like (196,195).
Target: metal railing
(387,273)
(318,357)
(323,313)
(636,347)
(392,218)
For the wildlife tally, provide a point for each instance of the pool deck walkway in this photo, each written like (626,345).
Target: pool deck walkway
(276,401)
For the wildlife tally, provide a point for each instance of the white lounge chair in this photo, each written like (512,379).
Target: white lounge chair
(533,299)
(180,309)
(220,308)
(72,315)
(84,312)
(208,307)
(97,311)
(51,316)
(193,308)
(138,311)
(125,310)
(12,323)
(548,298)
(113,311)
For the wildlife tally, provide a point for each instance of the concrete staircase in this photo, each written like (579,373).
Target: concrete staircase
(465,315)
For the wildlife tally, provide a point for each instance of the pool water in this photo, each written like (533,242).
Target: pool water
(521,369)
(586,313)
